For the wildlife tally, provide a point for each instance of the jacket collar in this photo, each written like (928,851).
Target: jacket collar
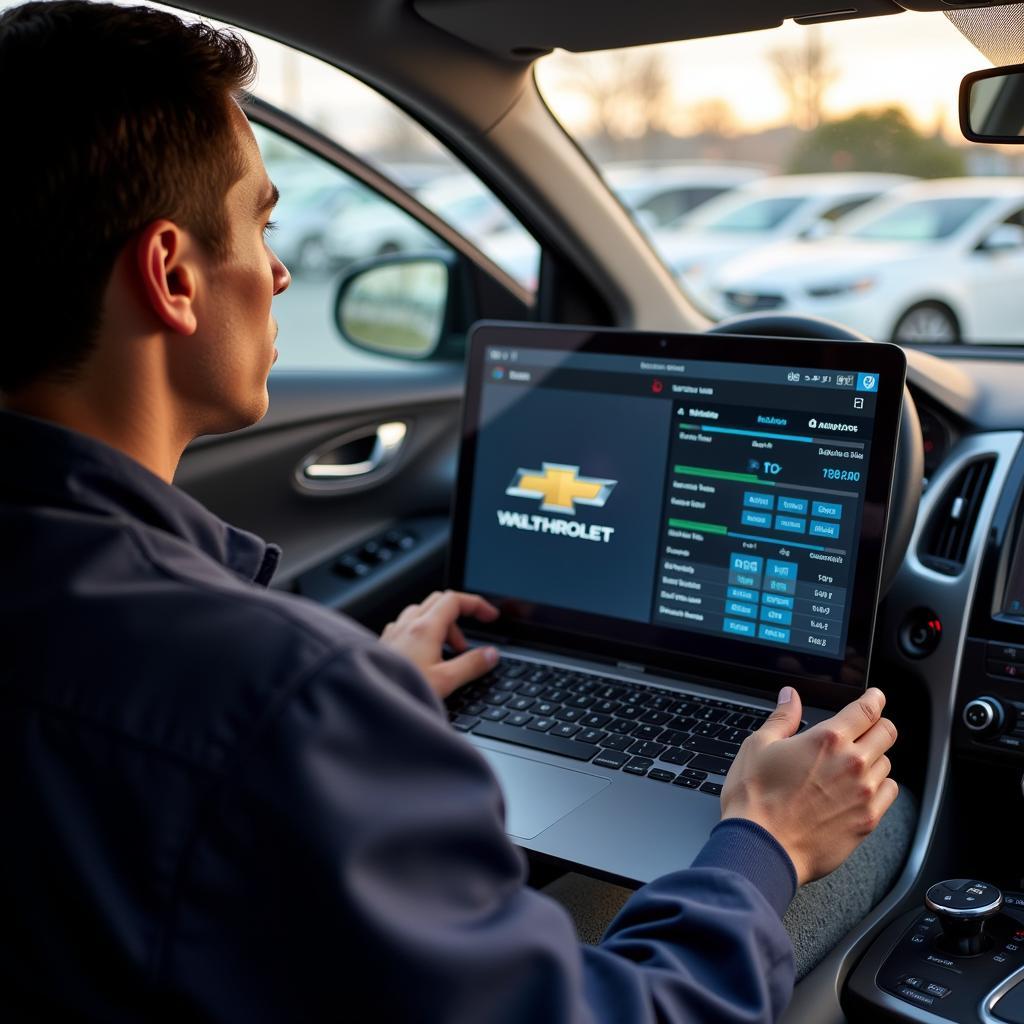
(45,463)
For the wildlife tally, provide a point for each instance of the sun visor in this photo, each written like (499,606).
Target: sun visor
(529,28)
(997,32)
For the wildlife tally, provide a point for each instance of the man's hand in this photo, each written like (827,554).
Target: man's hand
(421,629)
(822,792)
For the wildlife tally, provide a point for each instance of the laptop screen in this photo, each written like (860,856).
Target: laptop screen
(704,505)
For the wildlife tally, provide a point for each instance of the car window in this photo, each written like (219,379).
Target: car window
(838,118)
(757,215)
(840,210)
(326,219)
(922,221)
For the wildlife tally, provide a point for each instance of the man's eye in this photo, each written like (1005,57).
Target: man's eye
(270,226)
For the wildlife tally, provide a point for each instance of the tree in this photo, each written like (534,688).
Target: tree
(804,74)
(712,117)
(879,140)
(627,92)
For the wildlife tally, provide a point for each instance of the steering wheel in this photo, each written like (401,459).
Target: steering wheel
(909,470)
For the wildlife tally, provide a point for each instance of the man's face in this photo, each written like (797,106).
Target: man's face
(227,361)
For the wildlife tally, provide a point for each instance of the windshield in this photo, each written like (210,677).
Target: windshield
(926,220)
(831,116)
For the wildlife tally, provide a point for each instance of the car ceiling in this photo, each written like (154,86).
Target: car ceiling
(529,27)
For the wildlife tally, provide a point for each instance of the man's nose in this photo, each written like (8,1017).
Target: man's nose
(282,277)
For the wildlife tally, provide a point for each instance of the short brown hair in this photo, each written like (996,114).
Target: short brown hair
(113,117)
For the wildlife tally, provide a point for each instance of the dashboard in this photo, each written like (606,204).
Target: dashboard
(950,656)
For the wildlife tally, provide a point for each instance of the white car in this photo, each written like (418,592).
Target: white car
(935,261)
(373,229)
(761,213)
(660,194)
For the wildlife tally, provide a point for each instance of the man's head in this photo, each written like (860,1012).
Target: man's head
(136,203)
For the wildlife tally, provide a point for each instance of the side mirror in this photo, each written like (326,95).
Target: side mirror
(402,305)
(1003,237)
(992,105)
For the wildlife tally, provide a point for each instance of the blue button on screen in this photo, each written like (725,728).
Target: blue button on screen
(739,627)
(738,608)
(790,524)
(867,381)
(827,510)
(798,506)
(760,519)
(756,499)
(782,570)
(820,529)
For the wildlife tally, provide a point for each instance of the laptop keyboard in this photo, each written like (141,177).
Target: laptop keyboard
(682,739)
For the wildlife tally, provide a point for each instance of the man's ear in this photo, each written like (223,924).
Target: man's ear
(167,274)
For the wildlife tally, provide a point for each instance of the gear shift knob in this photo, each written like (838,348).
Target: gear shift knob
(963,905)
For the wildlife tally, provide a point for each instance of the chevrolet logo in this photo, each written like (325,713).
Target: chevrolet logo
(560,488)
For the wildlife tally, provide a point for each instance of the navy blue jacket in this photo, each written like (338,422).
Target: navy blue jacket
(225,803)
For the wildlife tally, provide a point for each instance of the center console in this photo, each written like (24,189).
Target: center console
(960,957)
(953,950)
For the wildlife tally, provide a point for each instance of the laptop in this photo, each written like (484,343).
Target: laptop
(674,526)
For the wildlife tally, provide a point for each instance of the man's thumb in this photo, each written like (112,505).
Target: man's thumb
(448,676)
(785,719)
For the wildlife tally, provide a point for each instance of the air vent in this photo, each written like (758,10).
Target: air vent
(952,525)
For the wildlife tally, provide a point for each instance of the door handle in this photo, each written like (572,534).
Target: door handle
(332,464)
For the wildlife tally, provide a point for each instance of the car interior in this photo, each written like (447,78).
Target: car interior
(353,469)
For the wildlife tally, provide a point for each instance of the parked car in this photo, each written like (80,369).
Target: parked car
(361,231)
(936,261)
(307,206)
(660,194)
(763,212)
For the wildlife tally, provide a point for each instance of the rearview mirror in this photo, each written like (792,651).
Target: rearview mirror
(992,105)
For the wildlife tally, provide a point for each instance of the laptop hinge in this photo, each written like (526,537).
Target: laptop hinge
(630,666)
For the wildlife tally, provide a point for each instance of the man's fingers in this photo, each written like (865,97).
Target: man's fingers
(877,740)
(785,719)
(408,613)
(882,801)
(878,772)
(450,675)
(433,599)
(453,604)
(456,638)
(859,716)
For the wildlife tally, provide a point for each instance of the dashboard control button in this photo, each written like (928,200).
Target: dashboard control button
(920,633)
(1011,742)
(963,906)
(913,996)
(1005,652)
(983,715)
(1005,669)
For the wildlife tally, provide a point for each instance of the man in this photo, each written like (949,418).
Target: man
(226,803)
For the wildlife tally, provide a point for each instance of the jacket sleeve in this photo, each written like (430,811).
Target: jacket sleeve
(352,865)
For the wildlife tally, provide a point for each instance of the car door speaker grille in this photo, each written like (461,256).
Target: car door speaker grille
(952,525)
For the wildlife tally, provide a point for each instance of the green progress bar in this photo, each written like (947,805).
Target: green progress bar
(722,474)
(689,524)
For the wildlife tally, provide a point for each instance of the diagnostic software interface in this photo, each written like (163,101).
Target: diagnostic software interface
(718,498)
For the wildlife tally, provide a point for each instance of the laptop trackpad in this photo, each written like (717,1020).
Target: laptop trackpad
(536,794)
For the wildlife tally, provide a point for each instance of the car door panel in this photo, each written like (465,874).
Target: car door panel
(249,479)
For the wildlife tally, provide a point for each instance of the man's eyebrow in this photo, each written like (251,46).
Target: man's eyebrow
(269,200)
